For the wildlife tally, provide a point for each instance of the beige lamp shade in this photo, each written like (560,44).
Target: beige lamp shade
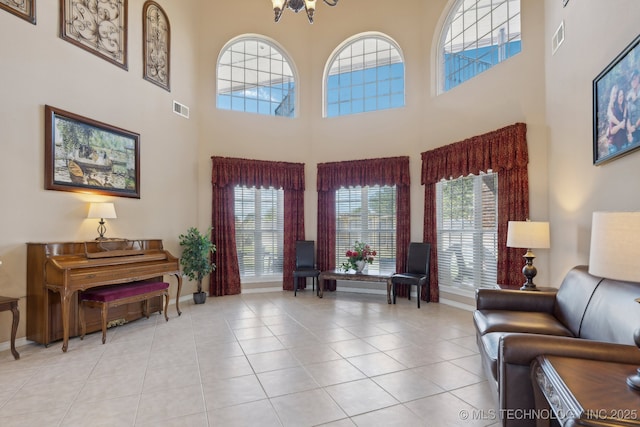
(528,235)
(615,245)
(102,210)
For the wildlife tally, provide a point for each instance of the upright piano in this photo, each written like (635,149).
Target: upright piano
(57,271)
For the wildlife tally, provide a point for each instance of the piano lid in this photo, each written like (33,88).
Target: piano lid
(109,248)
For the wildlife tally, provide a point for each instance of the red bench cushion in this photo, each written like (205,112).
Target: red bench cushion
(116,292)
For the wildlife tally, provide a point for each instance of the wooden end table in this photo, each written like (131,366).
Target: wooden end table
(8,303)
(585,392)
(353,276)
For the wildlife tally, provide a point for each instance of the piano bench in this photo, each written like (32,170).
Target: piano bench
(115,295)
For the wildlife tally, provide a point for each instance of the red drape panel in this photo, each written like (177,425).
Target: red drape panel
(504,151)
(403,233)
(293,230)
(226,174)
(326,257)
(383,171)
(225,279)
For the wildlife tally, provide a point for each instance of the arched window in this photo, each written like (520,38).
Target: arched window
(476,36)
(365,73)
(256,76)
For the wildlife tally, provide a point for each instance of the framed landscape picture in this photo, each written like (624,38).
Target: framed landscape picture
(85,155)
(616,106)
(25,9)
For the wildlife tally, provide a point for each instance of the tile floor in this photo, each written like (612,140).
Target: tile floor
(260,360)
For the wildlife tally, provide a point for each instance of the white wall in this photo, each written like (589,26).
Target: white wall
(37,68)
(596,32)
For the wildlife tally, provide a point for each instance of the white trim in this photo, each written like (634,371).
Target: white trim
(261,290)
(19,343)
(467,293)
(457,304)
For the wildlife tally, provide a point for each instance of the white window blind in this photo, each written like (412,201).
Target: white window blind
(259,220)
(467,230)
(367,214)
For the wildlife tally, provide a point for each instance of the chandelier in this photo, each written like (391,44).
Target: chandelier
(297,6)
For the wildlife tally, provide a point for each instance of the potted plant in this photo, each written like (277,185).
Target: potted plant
(196,258)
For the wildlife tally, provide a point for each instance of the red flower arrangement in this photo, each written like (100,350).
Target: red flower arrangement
(360,252)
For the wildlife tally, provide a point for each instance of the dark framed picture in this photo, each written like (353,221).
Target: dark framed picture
(99,27)
(85,155)
(156,33)
(616,106)
(25,9)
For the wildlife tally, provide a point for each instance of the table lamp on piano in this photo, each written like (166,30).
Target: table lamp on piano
(102,211)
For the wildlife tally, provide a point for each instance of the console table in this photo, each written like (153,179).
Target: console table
(8,303)
(353,276)
(586,392)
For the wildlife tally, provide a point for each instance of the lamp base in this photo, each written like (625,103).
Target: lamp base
(529,287)
(633,381)
(529,271)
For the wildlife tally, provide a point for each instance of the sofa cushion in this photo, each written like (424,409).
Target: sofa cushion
(573,297)
(487,321)
(613,314)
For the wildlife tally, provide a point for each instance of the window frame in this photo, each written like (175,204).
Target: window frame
(365,233)
(258,229)
(479,232)
(447,20)
(334,57)
(286,58)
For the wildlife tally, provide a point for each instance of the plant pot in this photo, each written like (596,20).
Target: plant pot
(199,297)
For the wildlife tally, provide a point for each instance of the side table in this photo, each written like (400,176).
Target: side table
(586,392)
(8,303)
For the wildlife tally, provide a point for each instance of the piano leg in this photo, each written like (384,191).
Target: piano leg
(65,302)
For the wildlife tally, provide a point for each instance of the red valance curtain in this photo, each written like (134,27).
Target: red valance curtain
(384,171)
(226,174)
(504,151)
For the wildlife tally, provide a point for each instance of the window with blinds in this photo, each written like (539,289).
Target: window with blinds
(259,220)
(467,230)
(367,214)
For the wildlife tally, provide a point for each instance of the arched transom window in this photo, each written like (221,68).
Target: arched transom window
(365,73)
(477,35)
(255,76)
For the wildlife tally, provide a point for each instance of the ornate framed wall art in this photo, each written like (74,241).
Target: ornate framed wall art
(156,36)
(616,106)
(98,26)
(25,9)
(85,155)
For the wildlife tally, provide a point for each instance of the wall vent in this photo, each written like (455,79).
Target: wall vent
(181,110)
(558,38)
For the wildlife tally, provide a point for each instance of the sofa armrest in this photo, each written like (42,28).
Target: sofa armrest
(503,299)
(521,349)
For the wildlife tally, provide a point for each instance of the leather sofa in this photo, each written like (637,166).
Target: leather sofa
(588,317)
